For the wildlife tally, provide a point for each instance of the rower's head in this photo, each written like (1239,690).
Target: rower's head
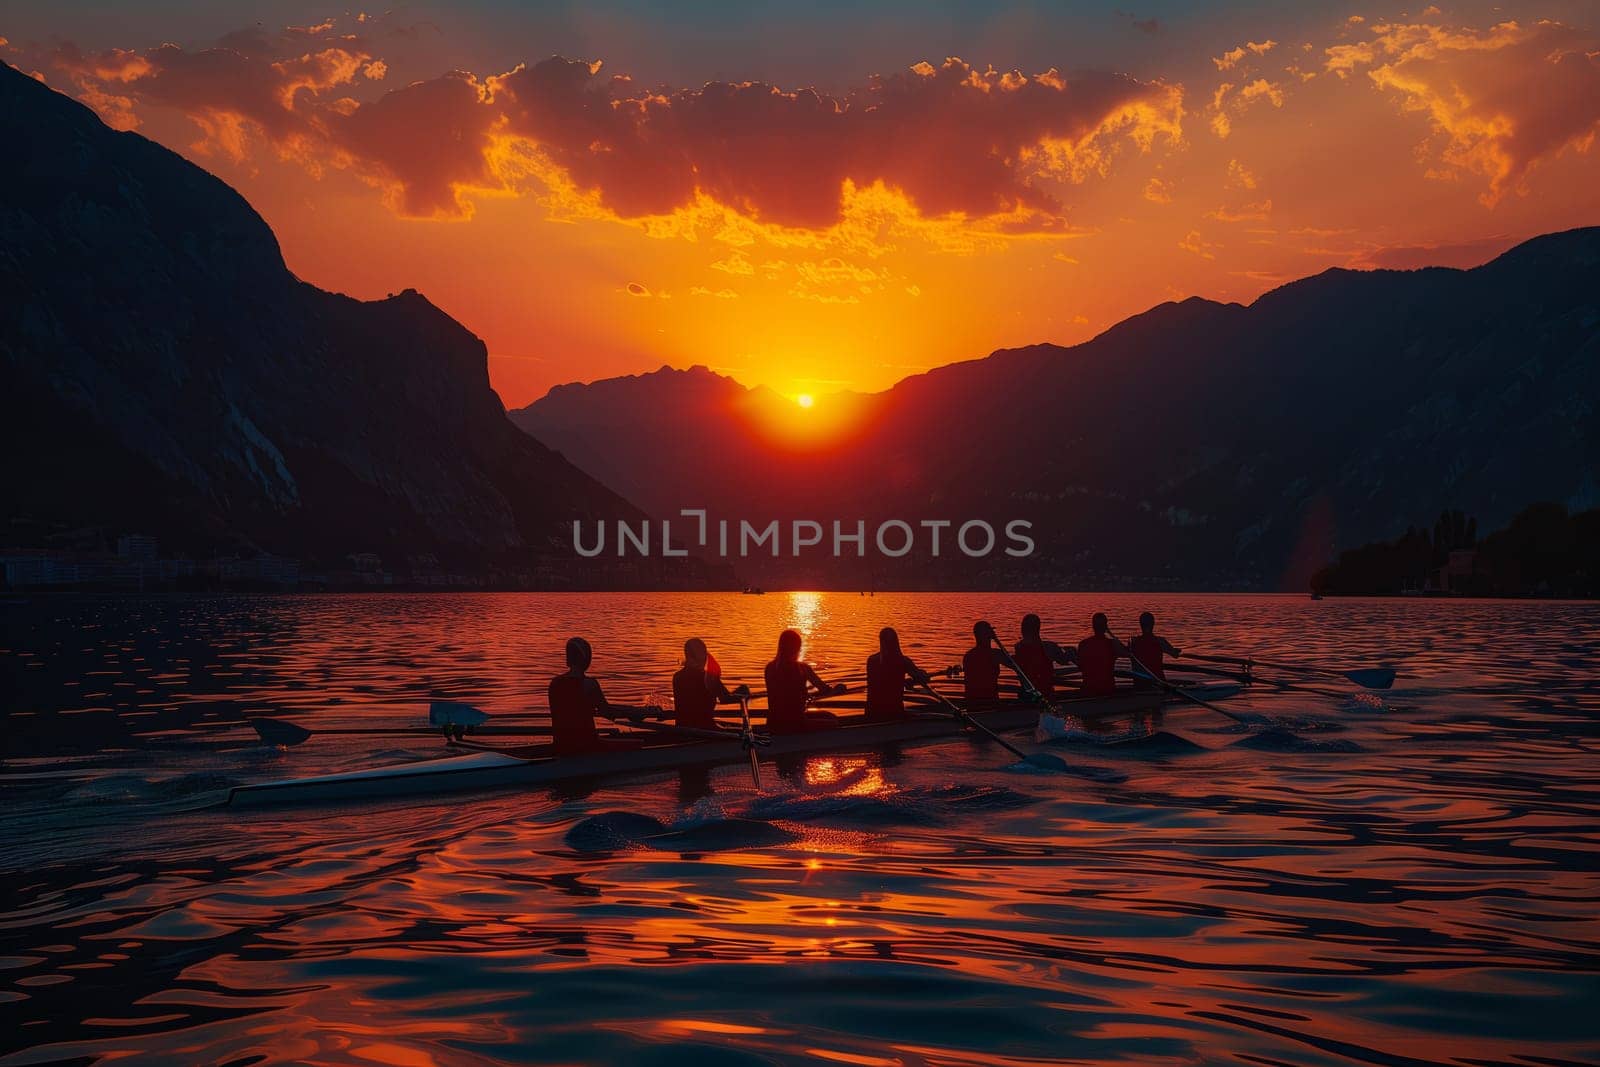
(694,652)
(1030,625)
(1100,623)
(579,654)
(789,646)
(1147,622)
(888,642)
(983,632)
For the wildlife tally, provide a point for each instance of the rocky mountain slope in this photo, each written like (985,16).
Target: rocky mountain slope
(162,372)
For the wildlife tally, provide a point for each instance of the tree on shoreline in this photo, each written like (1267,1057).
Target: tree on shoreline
(1544,551)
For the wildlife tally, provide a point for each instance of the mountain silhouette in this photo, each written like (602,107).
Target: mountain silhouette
(1196,445)
(165,373)
(671,438)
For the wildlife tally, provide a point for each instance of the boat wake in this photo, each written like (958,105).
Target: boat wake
(617,831)
(612,831)
(1053,728)
(1054,731)
(1283,739)
(929,806)
(1047,763)
(124,789)
(722,835)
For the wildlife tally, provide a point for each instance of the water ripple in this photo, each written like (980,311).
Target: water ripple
(1406,877)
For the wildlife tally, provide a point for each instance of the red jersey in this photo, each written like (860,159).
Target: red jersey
(1146,648)
(1036,664)
(693,703)
(574,701)
(1097,659)
(980,668)
(886,686)
(786,697)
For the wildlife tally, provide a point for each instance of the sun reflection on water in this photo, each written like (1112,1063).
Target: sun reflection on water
(805,613)
(855,776)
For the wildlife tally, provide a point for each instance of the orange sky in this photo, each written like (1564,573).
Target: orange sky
(914,212)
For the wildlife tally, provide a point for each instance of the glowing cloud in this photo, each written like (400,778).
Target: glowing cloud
(950,141)
(1499,101)
(1231,59)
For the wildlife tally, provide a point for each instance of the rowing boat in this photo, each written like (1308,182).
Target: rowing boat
(496,768)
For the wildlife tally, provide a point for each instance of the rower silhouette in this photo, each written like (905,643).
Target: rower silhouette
(575,700)
(980,667)
(697,688)
(888,669)
(1038,658)
(1097,658)
(789,682)
(1150,650)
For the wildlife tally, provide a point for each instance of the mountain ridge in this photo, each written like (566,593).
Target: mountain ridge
(1218,444)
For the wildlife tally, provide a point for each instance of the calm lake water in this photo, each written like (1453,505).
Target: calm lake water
(1398,878)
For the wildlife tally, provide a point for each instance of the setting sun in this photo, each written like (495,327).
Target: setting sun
(805,400)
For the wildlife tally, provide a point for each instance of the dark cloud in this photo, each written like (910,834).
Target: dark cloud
(430,137)
(253,79)
(1150,27)
(950,139)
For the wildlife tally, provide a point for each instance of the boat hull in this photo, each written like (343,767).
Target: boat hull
(493,769)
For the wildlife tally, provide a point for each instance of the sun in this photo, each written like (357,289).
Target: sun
(805,400)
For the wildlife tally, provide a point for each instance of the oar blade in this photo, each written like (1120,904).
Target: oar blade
(1372,678)
(278,732)
(453,713)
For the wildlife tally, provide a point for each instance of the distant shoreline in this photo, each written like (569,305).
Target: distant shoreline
(23,596)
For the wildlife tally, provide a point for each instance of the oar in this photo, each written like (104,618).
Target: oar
(278,732)
(1365,677)
(1240,676)
(747,737)
(684,731)
(819,699)
(851,683)
(289,734)
(1031,690)
(1036,759)
(1211,690)
(1185,694)
(452,716)
(1028,688)
(448,717)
